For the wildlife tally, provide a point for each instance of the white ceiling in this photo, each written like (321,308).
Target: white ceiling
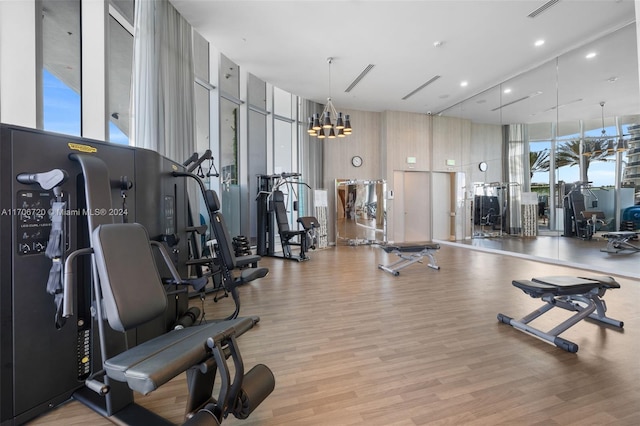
(287,43)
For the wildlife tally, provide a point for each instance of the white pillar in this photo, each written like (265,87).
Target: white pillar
(95,15)
(18,63)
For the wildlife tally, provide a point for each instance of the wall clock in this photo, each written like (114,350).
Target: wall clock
(356,160)
(482,166)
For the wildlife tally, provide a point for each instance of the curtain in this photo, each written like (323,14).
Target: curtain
(163,111)
(516,170)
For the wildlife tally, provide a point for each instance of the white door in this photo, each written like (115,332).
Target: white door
(416,196)
(441,207)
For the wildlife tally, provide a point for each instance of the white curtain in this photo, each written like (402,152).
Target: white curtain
(163,113)
(516,170)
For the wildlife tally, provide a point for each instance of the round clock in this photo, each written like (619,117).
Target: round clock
(482,166)
(356,161)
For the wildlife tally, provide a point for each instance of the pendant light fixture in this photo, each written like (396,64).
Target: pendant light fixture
(322,125)
(595,146)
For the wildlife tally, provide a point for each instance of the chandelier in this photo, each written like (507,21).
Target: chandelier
(604,145)
(322,125)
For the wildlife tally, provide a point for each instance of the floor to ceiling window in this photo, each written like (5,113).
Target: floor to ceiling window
(256,150)
(229,142)
(61,103)
(119,70)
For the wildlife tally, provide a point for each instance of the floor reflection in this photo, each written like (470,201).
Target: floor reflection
(569,251)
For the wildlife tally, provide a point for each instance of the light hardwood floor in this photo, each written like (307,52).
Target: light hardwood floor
(350,344)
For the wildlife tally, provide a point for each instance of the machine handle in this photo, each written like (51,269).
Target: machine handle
(47,180)
(69,280)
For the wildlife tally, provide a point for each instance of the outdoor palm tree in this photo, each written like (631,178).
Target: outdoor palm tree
(568,154)
(538,162)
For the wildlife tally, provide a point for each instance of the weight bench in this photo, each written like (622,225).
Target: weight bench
(582,295)
(132,293)
(619,241)
(409,253)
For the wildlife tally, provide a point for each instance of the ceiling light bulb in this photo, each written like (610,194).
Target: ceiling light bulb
(591,55)
(507,90)
(539,43)
(437,43)
(464,84)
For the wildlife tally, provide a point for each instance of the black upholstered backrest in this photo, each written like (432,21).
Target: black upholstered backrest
(220,230)
(277,198)
(131,286)
(578,204)
(212,200)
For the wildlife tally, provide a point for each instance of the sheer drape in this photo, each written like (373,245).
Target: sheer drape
(162,86)
(516,171)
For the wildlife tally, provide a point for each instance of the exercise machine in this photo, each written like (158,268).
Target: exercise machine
(225,254)
(410,253)
(95,183)
(132,293)
(582,295)
(580,221)
(619,241)
(273,217)
(303,238)
(222,261)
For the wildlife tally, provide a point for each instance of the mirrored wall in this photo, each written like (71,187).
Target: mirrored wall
(565,132)
(361,214)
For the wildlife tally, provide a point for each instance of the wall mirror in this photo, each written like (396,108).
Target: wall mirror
(557,107)
(361,214)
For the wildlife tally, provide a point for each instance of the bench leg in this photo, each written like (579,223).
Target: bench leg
(408,260)
(552,335)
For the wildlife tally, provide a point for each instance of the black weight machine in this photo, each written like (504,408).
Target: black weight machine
(219,258)
(51,206)
(273,216)
(579,220)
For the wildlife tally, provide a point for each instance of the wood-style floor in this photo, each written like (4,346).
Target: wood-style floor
(350,344)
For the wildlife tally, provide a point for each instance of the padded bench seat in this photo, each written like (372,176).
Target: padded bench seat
(410,247)
(564,285)
(620,240)
(153,363)
(582,295)
(409,253)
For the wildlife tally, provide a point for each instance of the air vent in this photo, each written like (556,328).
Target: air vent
(421,87)
(360,77)
(532,95)
(542,8)
(509,103)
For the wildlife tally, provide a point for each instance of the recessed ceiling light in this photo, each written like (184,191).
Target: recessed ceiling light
(591,55)
(438,43)
(464,84)
(507,90)
(538,43)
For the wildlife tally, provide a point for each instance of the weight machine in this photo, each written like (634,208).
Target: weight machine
(50,206)
(579,220)
(273,208)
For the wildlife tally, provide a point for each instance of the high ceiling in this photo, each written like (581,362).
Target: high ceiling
(485,43)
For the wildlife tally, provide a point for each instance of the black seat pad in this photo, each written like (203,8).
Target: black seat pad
(411,247)
(621,235)
(153,363)
(564,285)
